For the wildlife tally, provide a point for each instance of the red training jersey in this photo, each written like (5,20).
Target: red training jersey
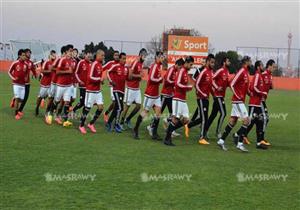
(46,77)
(108,65)
(31,68)
(137,68)
(204,83)
(94,77)
(53,70)
(240,85)
(154,80)
(220,80)
(118,75)
(267,78)
(181,85)
(256,89)
(169,81)
(64,79)
(81,72)
(18,72)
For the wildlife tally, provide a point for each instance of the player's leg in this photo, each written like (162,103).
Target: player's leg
(147,105)
(120,109)
(157,111)
(250,126)
(80,104)
(111,106)
(114,113)
(204,105)
(196,121)
(195,115)
(134,97)
(19,94)
(99,101)
(88,103)
(126,108)
(66,109)
(26,95)
(222,108)
(243,114)
(214,113)
(266,120)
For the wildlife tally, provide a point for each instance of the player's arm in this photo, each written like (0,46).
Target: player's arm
(109,73)
(255,86)
(198,81)
(78,71)
(152,76)
(234,82)
(11,71)
(179,84)
(169,74)
(59,68)
(33,70)
(44,70)
(216,77)
(95,79)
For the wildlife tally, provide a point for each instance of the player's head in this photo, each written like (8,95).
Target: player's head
(226,62)
(143,54)
(271,65)
(179,63)
(75,53)
(69,50)
(122,58)
(88,55)
(99,56)
(259,66)
(189,62)
(63,50)
(159,57)
(52,55)
(22,55)
(246,61)
(27,53)
(116,55)
(210,61)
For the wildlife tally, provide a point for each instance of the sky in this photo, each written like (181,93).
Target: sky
(228,24)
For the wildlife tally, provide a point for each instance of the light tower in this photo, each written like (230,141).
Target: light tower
(289,68)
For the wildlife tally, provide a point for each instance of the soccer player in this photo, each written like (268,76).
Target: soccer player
(152,99)
(64,83)
(107,66)
(167,91)
(133,92)
(52,90)
(180,110)
(117,76)
(267,81)
(93,92)
(203,87)
(82,68)
(45,81)
(31,68)
(75,59)
(220,83)
(239,86)
(257,92)
(18,72)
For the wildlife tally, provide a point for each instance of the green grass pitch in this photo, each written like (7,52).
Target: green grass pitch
(123,168)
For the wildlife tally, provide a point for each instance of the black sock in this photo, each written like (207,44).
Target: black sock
(178,125)
(131,115)
(66,112)
(138,122)
(122,120)
(53,107)
(227,131)
(155,125)
(170,129)
(242,132)
(96,116)
(85,112)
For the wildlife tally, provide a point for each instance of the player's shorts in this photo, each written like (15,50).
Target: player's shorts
(74,92)
(180,109)
(151,102)
(92,98)
(132,96)
(19,91)
(44,92)
(52,90)
(112,97)
(239,110)
(64,93)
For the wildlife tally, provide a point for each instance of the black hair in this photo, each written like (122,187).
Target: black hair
(122,54)
(63,49)
(257,64)
(75,49)
(69,46)
(179,62)
(116,51)
(158,53)
(189,59)
(52,52)
(224,60)
(210,56)
(20,51)
(270,63)
(27,50)
(245,59)
(142,51)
